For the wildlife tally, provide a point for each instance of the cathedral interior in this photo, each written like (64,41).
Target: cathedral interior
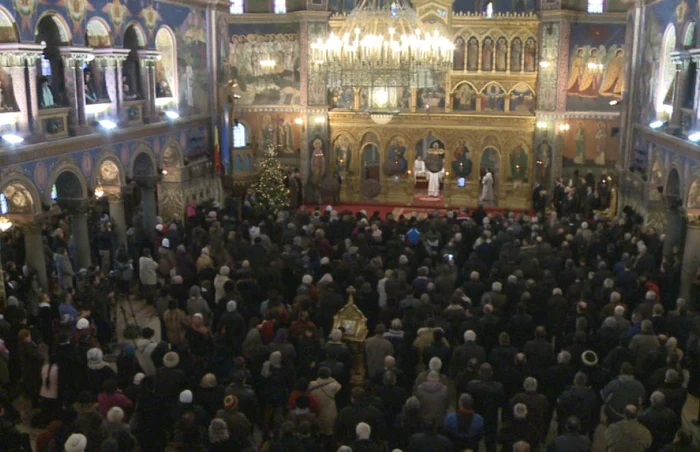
(161,102)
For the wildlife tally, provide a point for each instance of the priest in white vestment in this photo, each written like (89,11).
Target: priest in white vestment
(434,182)
(418,168)
(487,187)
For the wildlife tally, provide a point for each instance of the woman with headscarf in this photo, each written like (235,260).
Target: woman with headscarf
(199,338)
(281,344)
(279,379)
(185,266)
(176,323)
(196,304)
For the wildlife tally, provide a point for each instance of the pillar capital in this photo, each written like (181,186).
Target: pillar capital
(13,54)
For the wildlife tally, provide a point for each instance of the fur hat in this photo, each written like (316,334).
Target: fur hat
(325,260)
(115,415)
(224,271)
(171,360)
(186,396)
(307,279)
(75,443)
(469,336)
(231,306)
(82,324)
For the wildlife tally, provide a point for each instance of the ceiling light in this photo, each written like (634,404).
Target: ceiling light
(171,114)
(99,191)
(12,138)
(107,124)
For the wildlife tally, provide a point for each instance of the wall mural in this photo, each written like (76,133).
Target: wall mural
(192,61)
(465,97)
(495,53)
(522,98)
(343,98)
(589,143)
(431,98)
(276,129)
(276,83)
(596,67)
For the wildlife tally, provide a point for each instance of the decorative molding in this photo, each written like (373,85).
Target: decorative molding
(549,115)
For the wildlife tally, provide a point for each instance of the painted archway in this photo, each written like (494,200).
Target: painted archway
(66,181)
(21,196)
(8,26)
(166,66)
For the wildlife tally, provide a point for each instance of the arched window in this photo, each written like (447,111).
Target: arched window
(595,6)
(667,73)
(166,66)
(239,135)
(236,7)
(280,6)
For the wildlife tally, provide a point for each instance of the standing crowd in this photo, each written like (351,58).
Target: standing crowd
(484,328)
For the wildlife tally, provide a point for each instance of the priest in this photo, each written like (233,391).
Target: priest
(434,179)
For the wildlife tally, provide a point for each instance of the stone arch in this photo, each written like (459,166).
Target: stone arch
(63,27)
(8,26)
(21,194)
(166,66)
(171,156)
(672,189)
(521,85)
(98,33)
(143,162)
(693,198)
(109,171)
(69,181)
(463,82)
(689,35)
(139,34)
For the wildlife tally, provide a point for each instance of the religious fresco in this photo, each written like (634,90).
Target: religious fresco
(342,149)
(487,50)
(522,98)
(396,158)
(431,98)
(590,143)
(7,93)
(473,54)
(515,6)
(192,62)
(518,164)
(317,93)
(464,97)
(276,129)
(343,98)
(493,98)
(516,55)
(459,54)
(276,83)
(596,68)
(501,63)
(317,150)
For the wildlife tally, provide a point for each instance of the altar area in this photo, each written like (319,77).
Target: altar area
(377,162)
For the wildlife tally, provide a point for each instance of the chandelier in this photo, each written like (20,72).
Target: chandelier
(383,44)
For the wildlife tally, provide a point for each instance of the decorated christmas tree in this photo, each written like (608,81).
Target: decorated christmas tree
(270,191)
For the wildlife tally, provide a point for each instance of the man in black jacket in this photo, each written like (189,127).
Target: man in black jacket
(358,411)
(489,396)
(660,420)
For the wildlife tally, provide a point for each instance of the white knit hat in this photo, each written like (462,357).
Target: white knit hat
(186,396)
(82,324)
(75,443)
(307,279)
(231,306)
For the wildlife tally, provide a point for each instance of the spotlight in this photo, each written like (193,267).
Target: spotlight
(694,137)
(171,114)
(545,64)
(12,138)
(614,102)
(656,124)
(107,124)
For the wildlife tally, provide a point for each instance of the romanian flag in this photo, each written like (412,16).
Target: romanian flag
(217,151)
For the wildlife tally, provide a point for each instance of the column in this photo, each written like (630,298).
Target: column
(34,121)
(152,93)
(71,91)
(147,79)
(19,82)
(116,212)
(149,207)
(36,259)
(79,229)
(80,92)
(691,258)
(112,82)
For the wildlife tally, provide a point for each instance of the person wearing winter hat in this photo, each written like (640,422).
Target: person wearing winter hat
(114,426)
(209,394)
(82,324)
(219,281)
(166,261)
(219,438)
(238,424)
(98,370)
(75,443)
(171,380)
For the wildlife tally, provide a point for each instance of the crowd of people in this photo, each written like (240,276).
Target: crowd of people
(485,328)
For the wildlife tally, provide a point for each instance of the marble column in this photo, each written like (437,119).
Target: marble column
(691,259)
(33,241)
(33,89)
(148,85)
(79,230)
(149,207)
(116,212)
(71,92)
(80,93)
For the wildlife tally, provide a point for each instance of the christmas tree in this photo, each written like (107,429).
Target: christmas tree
(270,191)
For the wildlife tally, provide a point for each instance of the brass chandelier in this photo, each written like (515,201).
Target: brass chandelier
(383,44)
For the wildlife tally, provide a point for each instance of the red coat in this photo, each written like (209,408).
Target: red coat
(106,401)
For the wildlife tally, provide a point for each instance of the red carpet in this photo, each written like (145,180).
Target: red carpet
(401,209)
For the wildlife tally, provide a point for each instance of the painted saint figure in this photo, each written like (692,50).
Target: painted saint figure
(473,55)
(501,54)
(458,59)
(614,79)
(397,156)
(530,55)
(487,55)
(575,73)
(592,75)
(318,161)
(580,145)
(601,136)
(461,165)
(516,55)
